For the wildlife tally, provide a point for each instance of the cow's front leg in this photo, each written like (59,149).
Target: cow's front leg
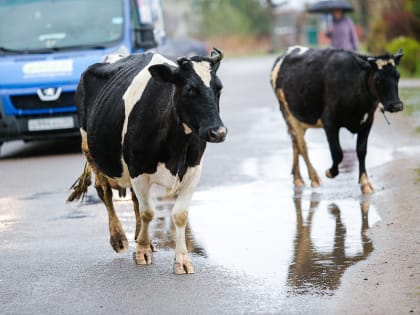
(335,149)
(183,263)
(136,208)
(141,186)
(361,148)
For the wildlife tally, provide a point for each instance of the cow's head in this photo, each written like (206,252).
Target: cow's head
(383,81)
(197,94)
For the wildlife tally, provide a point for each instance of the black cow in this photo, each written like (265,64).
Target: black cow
(146,120)
(330,89)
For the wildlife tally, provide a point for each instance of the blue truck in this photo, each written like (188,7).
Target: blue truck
(45,45)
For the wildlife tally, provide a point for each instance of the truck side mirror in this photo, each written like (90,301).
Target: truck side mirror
(144,36)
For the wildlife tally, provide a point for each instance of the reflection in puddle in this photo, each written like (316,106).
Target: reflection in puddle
(261,230)
(295,242)
(324,250)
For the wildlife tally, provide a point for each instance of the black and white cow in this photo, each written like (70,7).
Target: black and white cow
(331,89)
(146,120)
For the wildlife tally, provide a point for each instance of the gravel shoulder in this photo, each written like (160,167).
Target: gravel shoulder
(388,282)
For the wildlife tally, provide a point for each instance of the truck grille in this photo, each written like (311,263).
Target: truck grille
(66,99)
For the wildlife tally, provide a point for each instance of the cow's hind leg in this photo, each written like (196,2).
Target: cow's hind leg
(297,132)
(118,239)
(297,178)
(301,144)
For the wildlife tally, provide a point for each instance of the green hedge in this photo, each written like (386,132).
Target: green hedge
(410,62)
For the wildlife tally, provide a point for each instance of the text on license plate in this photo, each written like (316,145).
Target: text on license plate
(53,123)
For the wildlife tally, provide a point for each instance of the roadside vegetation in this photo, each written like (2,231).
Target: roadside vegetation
(248,27)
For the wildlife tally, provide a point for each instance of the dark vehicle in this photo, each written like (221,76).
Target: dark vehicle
(177,47)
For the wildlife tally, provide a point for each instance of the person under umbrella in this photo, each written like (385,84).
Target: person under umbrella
(343,33)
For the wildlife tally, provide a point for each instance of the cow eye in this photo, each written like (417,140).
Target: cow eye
(378,81)
(192,91)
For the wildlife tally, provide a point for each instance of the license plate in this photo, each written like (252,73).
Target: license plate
(53,123)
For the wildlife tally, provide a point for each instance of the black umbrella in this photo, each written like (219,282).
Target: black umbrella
(327,6)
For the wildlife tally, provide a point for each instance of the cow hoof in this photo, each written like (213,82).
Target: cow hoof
(316,182)
(299,182)
(328,174)
(367,188)
(183,265)
(119,243)
(143,255)
(153,248)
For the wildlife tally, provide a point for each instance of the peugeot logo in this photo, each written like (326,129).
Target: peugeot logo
(49,94)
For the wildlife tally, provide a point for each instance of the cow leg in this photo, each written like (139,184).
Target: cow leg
(315,179)
(136,213)
(297,178)
(361,148)
(183,263)
(335,149)
(141,186)
(138,218)
(297,132)
(118,239)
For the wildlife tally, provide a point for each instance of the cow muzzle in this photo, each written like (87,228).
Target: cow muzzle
(395,107)
(216,134)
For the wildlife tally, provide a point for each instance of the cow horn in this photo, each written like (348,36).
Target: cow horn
(216,55)
(399,53)
(182,60)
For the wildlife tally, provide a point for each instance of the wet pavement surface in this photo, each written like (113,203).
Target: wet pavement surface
(258,245)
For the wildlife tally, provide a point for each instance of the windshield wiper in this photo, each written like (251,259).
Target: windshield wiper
(10,51)
(26,51)
(48,50)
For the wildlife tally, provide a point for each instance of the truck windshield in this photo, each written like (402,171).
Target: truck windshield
(43,25)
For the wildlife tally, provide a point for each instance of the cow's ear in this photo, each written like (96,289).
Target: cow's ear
(164,73)
(397,57)
(363,63)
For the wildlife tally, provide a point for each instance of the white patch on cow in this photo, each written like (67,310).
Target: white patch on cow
(381,106)
(135,90)
(203,70)
(302,49)
(187,129)
(275,72)
(83,133)
(364,119)
(131,96)
(383,62)
(164,177)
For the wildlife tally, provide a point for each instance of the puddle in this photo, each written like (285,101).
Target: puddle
(299,242)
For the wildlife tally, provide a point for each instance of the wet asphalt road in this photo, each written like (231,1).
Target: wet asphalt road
(258,246)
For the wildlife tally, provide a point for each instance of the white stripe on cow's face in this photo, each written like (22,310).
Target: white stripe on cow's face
(383,62)
(203,70)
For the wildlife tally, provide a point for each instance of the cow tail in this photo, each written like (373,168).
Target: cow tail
(80,186)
